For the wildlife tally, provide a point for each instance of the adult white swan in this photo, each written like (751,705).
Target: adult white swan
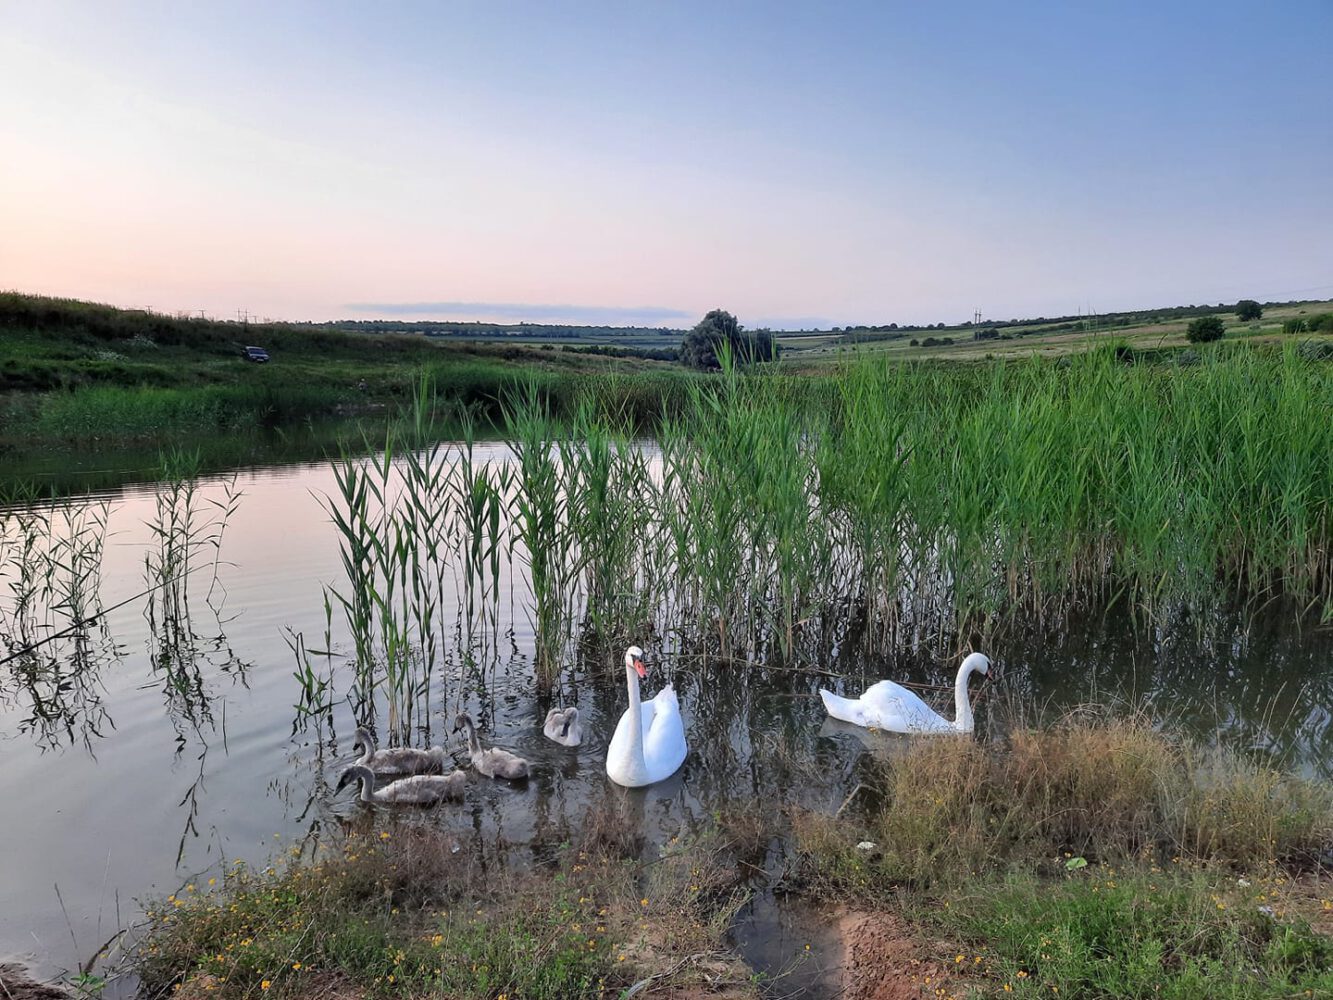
(649,742)
(892,707)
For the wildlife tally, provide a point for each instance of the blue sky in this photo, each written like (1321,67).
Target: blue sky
(794,163)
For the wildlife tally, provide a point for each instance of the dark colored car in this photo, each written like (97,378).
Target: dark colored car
(256,354)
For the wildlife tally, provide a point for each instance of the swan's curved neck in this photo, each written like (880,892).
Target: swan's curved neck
(963,721)
(473,744)
(637,766)
(368,747)
(367,779)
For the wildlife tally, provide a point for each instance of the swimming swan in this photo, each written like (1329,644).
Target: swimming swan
(892,707)
(494,763)
(398,760)
(418,790)
(562,725)
(649,742)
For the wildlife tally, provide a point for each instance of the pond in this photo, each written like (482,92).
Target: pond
(163,743)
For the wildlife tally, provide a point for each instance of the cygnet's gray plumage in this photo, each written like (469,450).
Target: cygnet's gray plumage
(494,763)
(417,790)
(398,761)
(562,725)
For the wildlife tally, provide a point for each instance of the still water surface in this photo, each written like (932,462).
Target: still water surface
(119,781)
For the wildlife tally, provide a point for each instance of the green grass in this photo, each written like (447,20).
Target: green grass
(1136,934)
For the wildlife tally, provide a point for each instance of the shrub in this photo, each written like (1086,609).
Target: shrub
(1205,329)
(719,331)
(1248,309)
(1294,325)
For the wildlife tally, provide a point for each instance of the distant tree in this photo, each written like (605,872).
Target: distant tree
(1204,329)
(701,346)
(1248,309)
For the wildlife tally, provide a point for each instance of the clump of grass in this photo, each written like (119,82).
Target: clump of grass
(1101,933)
(1094,788)
(405,912)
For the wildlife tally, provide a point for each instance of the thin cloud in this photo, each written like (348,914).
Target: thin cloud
(516,311)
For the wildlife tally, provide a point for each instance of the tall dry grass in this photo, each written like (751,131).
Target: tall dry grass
(1099,789)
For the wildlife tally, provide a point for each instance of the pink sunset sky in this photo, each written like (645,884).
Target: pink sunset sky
(797,164)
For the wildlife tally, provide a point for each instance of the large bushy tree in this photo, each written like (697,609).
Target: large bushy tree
(1204,329)
(1248,309)
(702,346)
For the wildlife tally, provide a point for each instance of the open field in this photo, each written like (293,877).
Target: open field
(1144,333)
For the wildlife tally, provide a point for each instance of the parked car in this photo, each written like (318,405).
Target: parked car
(257,354)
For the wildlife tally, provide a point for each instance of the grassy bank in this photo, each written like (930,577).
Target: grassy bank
(81,374)
(1091,859)
(1085,859)
(403,911)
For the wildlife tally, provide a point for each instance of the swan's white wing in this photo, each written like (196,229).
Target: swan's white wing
(894,699)
(664,747)
(886,706)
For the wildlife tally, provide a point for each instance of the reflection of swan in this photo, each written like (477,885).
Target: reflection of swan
(649,742)
(494,763)
(397,760)
(418,790)
(562,725)
(891,706)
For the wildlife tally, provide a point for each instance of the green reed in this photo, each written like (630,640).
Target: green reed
(781,518)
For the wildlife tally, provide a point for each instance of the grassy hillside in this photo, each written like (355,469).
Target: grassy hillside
(1145,331)
(74,371)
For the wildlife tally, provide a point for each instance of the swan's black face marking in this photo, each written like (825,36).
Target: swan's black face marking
(569,721)
(343,782)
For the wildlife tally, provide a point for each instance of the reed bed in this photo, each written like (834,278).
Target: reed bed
(784,519)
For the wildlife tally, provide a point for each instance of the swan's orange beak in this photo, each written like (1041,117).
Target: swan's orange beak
(640,669)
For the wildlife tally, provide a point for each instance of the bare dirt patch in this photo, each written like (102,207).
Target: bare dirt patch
(883,959)
(15,985)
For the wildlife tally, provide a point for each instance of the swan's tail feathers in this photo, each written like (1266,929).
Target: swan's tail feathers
(841,708)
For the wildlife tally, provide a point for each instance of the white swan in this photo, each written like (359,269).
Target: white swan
(649,742)
(562,725)
(892,707)
(418,790)
(397,760)
(494,763)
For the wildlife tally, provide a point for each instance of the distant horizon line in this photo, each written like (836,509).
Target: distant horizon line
(621,316)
